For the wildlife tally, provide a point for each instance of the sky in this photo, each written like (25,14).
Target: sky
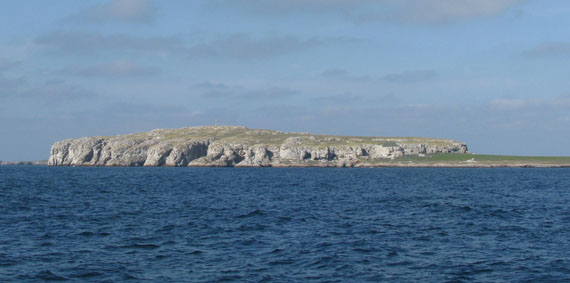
(491,73)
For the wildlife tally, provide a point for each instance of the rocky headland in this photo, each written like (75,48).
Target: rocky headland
(227,146)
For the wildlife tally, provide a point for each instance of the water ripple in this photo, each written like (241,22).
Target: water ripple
(268,224)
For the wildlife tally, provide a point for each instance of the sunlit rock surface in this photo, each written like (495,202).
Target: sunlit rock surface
(240,146)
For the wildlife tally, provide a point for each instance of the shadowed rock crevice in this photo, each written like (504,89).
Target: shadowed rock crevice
(239,146)
(88,157)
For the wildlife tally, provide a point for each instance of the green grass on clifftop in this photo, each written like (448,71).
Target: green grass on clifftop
(466,158)
(236,134)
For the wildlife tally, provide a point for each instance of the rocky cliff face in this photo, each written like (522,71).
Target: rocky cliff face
(239,146)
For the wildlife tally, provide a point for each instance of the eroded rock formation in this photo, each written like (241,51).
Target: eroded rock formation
(239,146)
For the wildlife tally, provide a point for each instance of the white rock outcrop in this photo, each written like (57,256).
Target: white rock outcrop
(239,146)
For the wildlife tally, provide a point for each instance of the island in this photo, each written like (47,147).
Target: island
(36,163)
(237,146)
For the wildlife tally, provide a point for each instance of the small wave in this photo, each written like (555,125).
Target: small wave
(498,263)
(227,278)
(247,242)
(88,274)
(129,277)
(7,262)
(141,246)
(321,262)
(361,250)
(87,234)
(166,228)
(343,267)
(422,238)
(46,236)
(399,263)
(256,227)
(503,214)
(282,262)
(256,212)
(465,208)
(48,275)
(481,270)
(285,219)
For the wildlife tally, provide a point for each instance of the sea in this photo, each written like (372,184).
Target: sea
(93,224)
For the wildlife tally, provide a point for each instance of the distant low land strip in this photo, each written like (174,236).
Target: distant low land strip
(40,162)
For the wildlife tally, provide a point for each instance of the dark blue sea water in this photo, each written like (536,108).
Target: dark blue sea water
(269,224)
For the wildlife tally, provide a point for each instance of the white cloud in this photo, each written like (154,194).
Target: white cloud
(6,64)
(550,104)
(56,92)
(410,76)
(235,46)
(441,11)
(10,87)
(210,90)
(503,103)
(342,74)
(548,49)
(135,11)
(244,46)
(211,86)
(343,98)
(53,91)
(86,42)
(403,11)
(119,68)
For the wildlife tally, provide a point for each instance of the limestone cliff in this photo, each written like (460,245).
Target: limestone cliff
(240,146)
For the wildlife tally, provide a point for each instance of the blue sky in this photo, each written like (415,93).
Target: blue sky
(492,73)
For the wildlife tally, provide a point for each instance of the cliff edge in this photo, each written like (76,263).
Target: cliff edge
(239,146)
